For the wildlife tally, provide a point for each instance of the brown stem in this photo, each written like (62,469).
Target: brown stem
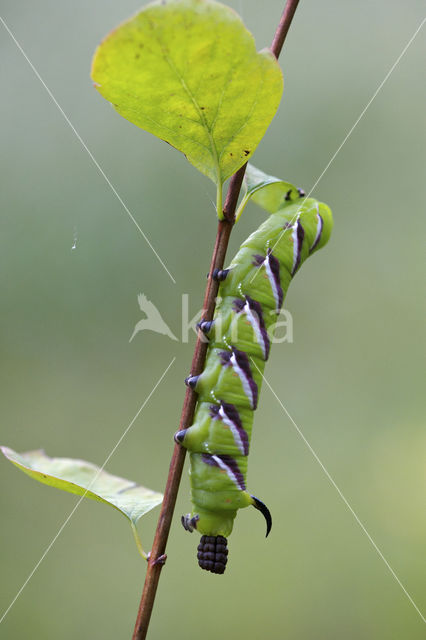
(283,27)
(156,559)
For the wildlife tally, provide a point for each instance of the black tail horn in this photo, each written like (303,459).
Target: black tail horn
(261,506)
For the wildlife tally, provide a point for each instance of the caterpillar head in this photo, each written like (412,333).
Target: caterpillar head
(213,553)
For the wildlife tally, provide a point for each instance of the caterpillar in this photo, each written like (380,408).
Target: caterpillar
(251,293)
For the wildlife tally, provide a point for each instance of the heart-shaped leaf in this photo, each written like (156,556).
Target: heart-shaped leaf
(270,193)
(188,72)
(88,480)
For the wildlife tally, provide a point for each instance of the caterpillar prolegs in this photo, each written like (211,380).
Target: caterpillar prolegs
(251,294)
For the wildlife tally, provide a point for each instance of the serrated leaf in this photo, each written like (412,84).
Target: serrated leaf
(88,480)
(269,192)
(188,72)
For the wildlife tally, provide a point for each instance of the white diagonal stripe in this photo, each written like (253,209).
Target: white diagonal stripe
(233,428)
(243,379)
(271,279)
(254,320)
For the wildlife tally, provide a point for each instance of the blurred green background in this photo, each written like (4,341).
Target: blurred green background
(71,382)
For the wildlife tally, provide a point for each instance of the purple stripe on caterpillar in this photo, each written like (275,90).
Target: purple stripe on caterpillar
(241,365)
(298,235)
(254,313)
(320,225)
(229,415)
(258,260)
(238,305)
(255,316)
(228,464)
(272,265)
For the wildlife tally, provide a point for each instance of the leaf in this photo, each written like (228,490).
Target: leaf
(188,72)
(88,480)
(268,192)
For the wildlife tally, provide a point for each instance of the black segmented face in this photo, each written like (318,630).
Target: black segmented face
(213,553)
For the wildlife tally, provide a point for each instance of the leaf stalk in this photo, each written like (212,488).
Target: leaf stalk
(219,197)
(138,542)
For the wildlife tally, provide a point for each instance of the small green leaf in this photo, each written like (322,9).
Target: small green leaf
(86,479)
(268,192)
(188,72)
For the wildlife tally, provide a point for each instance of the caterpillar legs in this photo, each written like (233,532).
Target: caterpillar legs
(189,523)
(220,274)
(180,436)
(191,381)
(205,326)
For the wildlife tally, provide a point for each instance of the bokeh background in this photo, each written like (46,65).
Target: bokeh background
(352,379)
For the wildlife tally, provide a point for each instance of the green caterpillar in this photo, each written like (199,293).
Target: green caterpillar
(251,294)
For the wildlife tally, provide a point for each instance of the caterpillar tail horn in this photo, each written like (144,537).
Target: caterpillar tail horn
(261,506)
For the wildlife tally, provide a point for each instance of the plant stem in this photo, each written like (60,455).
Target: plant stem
(157,557)
(284,26)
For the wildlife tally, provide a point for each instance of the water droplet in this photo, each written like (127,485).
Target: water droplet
(74,244)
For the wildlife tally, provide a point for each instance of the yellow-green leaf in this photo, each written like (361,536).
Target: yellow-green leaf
(268,192)
(88,480)
(188,72)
